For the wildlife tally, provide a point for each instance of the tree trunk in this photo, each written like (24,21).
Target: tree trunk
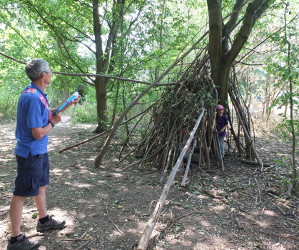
(220,77)
(103,58)
(221,57)
(101,97)
(291,102)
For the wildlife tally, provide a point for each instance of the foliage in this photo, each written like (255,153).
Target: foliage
(152,34)
(286,69)
(10,87)
(86,112)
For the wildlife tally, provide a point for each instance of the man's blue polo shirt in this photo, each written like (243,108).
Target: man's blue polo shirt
(31,113)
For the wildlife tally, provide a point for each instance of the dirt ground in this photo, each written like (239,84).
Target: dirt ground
(108,207)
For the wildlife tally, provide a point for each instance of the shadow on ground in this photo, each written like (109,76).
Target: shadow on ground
(107,208)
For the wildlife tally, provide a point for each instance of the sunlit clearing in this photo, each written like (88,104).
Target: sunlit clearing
(270,213)
(78,185)
(263,224)
(116,234)
(117,175)
(218,208)
(90,202)
(202,197)
(65,215)
(5,160)
(205,223)
(124,188)
(58,171)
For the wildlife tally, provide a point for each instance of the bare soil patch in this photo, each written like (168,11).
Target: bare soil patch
(107,208)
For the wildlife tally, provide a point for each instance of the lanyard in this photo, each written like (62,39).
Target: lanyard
(41,97)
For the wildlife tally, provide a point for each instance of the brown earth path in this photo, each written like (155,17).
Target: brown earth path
(107,208)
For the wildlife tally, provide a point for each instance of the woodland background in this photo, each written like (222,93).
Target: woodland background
(131,44)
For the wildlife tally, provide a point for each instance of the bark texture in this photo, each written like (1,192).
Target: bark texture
(103,57)
(222,53)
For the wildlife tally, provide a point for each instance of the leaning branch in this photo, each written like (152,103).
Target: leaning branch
(244,32)
(104,149)
(11,58)
(95,75)
(105,132)
(116,78)
(246,134)
(264,40)
(142,245)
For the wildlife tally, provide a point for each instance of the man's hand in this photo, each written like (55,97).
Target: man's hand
(40,132)
(77,100)
(56,118)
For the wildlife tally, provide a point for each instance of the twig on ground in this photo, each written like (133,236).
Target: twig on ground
(172,221)
(254,163)
(238,223)
(34,235)
(263,211)
(281,211)
(215,196)
(111,219)
(75,239)
(258,199)
(273,195)
(290,188)
(83,235)
(85,244)
(184,215)
(281,235)
(131,165)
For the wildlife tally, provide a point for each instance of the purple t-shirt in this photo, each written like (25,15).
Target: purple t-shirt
(221,121)
(31,113)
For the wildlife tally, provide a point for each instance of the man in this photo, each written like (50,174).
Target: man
(34,122)
(221,126)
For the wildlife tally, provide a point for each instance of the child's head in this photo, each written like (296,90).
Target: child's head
(219,109)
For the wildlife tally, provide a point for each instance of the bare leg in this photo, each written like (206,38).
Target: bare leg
(40,202)
(15,214)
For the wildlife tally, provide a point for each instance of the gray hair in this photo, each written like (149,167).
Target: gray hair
(35,67)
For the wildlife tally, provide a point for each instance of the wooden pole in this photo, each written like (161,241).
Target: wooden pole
(249,139)
(143,243)
(183,183)
(105,132)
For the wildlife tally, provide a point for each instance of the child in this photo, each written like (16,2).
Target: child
(221,125)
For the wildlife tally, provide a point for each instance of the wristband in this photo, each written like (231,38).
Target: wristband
(52,123)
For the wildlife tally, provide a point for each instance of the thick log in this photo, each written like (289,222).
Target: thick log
(254,163)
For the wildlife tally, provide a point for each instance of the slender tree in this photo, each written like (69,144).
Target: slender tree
(104,54)
(294,184)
